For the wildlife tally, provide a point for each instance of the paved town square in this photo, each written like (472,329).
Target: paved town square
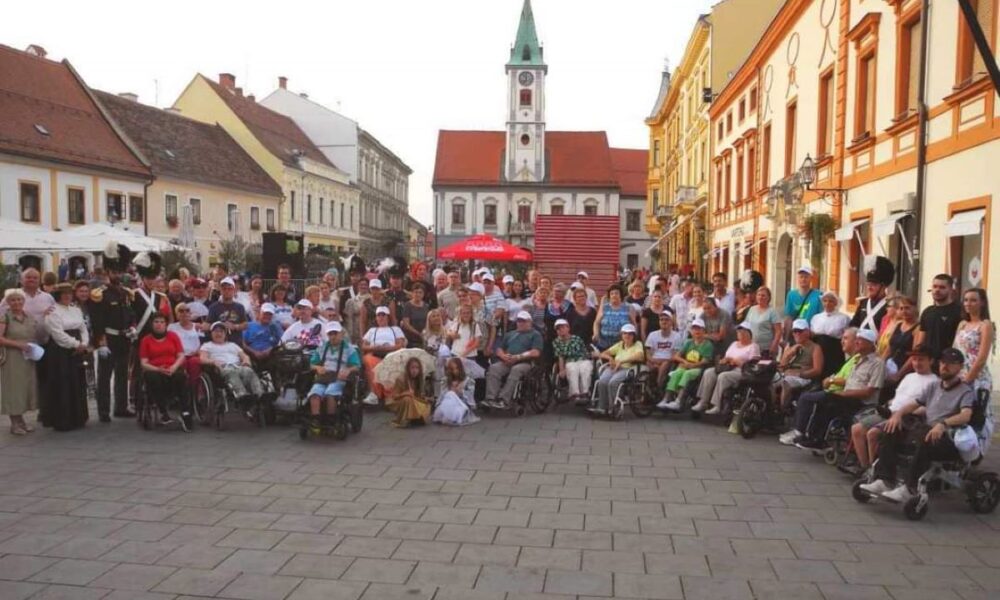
(550,506)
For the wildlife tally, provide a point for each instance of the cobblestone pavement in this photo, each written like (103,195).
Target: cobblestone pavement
(554,506)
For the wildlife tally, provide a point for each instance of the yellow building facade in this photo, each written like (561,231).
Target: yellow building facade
(680,141)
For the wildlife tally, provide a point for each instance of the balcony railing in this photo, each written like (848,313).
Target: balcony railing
(520,227)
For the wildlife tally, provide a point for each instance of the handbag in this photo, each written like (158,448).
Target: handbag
(330,376)
(3,349)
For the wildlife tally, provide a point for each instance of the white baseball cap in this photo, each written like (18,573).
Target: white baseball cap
(508,279)
(523,316)
(628,328)
(868,334)
(375,283)
(333,327)
(382,310)
(304,303)
(478,288)
(562,322)
(806,269)
(267,307)
(228,281)
(583,274)
(489,276)
(576,285)
(698,323)
(800,325)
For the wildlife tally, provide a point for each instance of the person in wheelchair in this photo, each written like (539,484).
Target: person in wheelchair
(695,356)
(727,373)
(307,329)
(161,356)
(815,410)
(946,405)
(626,354)
(517,351)
(866,432)
(573,361)
(662,346)
(801,364)
(262,337)
(377,342)
(333,363)
(232,363)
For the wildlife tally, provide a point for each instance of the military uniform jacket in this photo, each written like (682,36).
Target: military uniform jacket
(161,304)
(110,311)
(861,320)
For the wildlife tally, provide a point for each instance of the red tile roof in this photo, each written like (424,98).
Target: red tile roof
(631,170)
(278,133)
(574,158)
(35,91)
(183,148)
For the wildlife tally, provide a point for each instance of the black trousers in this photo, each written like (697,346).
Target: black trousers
(892,443)
(118,364)
(160,388)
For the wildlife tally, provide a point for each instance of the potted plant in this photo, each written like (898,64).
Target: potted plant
(172,221)
(818,228)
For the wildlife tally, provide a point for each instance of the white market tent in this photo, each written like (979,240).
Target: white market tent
(18,236)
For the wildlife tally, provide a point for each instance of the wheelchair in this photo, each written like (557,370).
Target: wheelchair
(146,411)
(532,392)
(981,488)
(753,400)
(349,416)
(214,399)
(638,393)
(292,375)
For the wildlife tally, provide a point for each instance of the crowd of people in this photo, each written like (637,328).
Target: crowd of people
(906,374)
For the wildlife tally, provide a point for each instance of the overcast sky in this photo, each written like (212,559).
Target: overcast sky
(402,68)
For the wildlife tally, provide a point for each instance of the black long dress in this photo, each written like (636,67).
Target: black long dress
(67,394)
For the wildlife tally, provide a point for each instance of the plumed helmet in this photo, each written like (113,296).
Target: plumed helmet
(354,264)
(116,257)
(148,264)
(751,281)
(391,266)
(879,269)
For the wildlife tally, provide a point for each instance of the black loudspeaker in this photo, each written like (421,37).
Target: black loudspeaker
(287,248)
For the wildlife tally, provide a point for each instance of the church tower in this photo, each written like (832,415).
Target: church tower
(526,69)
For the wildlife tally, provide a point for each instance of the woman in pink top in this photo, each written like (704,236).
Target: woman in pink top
(727,373)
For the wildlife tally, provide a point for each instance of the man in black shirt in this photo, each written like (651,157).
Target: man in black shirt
(939,321)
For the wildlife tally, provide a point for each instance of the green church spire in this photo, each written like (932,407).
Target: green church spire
(526,50)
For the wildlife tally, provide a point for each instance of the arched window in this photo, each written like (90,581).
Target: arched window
(525,97)
(557,207)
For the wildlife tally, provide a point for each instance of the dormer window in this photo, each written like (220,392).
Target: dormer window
(526,53)
(525,97)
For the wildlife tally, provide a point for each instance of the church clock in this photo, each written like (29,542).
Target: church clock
(526,78)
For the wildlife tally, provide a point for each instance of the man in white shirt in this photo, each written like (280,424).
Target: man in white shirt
(681,303)
(308,329)
(865,433)
(661,346)
(723,296)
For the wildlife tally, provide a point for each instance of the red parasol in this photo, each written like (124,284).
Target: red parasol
(484,247)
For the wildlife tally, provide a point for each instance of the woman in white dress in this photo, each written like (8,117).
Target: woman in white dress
(452,409)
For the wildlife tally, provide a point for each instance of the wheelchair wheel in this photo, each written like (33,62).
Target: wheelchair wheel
(831,455)
(859,494)
(357,416)
(144,414)
(751,416)
(916,508)
(338,429)
(541,396)
(983,493)
(519,410)
(203,406)
(642,404)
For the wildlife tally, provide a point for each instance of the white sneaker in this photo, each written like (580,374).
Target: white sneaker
(712,411)
(371,399)
(900,494)
(663,404)
(700,406)
(877,487)
(788,438)
(674,406)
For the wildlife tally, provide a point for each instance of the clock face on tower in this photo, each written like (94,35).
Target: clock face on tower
(526,78)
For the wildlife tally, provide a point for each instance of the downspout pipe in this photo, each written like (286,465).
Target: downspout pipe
(913,281)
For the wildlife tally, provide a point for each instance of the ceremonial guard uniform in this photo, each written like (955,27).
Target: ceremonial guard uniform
(145,303)
(111,319)
(880,271)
